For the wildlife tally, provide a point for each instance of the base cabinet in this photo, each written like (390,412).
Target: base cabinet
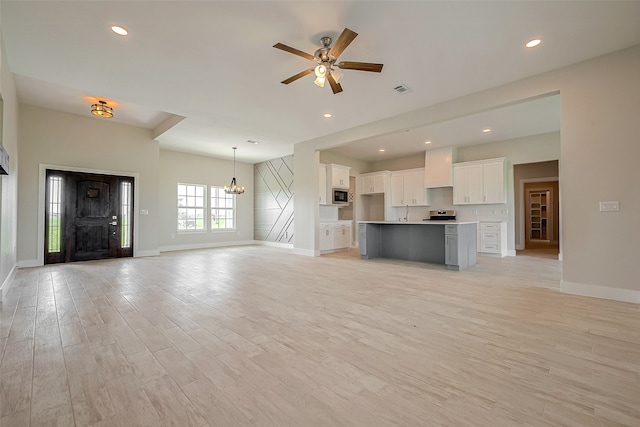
(334,236)
(492,238)
(326,236)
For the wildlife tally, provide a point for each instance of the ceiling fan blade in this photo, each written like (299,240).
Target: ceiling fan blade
(362,66)
(294,51)
(297,76)
(345,38)
(335,86)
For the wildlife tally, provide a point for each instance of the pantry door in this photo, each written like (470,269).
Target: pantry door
(87,216)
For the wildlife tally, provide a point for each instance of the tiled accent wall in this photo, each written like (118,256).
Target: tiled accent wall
(273,204)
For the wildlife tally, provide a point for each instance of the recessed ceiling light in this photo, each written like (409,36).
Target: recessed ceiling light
(381,150)
(327,115)
(533,43)
(486,130)
(427,142)
(121,31)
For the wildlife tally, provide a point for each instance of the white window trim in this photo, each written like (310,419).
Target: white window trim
(206,204)
(233,209)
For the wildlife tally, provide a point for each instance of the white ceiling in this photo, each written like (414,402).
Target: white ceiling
(213,63)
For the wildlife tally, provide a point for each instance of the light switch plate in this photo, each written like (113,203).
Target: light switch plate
(609,206)
(144,211)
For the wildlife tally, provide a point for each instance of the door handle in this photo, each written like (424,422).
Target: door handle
(113,223)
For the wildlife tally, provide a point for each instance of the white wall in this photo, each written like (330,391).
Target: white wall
(49,137)
(193,169)
(600,106)
(8,183)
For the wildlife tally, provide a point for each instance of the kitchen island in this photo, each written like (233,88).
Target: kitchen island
(453,243)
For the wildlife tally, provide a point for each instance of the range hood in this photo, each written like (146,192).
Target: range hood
(438,167)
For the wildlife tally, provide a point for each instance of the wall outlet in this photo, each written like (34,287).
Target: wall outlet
(173,235)
(609,206)
(144,211)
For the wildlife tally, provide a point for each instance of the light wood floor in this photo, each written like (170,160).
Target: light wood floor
(257,336)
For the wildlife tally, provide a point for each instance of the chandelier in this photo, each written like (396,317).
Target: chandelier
(234,188)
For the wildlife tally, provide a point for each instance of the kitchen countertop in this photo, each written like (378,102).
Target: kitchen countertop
(429,222)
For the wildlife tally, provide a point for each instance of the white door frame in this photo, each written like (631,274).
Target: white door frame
(521,219)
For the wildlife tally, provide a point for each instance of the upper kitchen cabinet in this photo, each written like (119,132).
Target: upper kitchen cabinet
(479,182)
(373,183)
(338,176)
(407,188)
(322,182)
(438,167)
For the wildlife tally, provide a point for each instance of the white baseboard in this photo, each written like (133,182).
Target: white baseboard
(597,291)
(205,245)
(274,244)
(146,253)
(511,252)
(7,283)
(306,252)
(27,263)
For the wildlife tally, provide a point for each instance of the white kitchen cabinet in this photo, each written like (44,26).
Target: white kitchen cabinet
(479,182)
(492,238)
(372,183)
(334,235)
(414,191)
(494,182)
(341,236)
(407,188)
(322,184)
(326,236)
(338,175)
(438,167)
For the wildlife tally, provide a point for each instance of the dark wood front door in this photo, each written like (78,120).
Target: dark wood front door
(89,218)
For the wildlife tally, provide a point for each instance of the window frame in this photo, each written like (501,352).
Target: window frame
(205,224)
(232,209)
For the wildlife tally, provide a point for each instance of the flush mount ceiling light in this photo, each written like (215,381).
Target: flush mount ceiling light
(101,109)
(234,188)
(121,31)
(326,58)
(253,141)
(486,130)
(327,115)
(533,43)
(427,142)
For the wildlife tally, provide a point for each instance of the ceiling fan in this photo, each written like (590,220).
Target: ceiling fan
(326,58)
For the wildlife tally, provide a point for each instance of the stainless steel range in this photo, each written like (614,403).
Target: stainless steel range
(441,215)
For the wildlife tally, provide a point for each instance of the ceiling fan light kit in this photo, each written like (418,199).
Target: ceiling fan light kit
(326,58)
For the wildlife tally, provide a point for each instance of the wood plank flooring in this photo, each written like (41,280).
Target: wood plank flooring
(257,336)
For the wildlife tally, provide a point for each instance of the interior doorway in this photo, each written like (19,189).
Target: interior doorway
(541,209)
(88,216)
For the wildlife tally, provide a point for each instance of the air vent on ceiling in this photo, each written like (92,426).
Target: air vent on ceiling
(401,89)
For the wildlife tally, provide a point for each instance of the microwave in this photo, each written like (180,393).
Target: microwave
(340,197)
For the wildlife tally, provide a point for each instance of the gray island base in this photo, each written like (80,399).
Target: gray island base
(453,243)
